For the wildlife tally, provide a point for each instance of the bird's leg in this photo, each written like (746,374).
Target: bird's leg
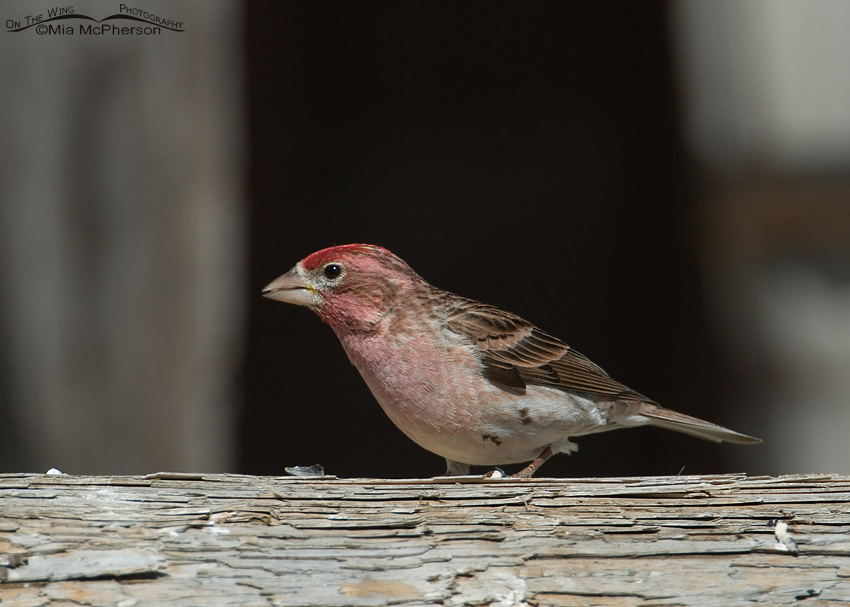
(456,468)
(531,468)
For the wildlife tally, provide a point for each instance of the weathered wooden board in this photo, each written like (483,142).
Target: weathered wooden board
(213,540)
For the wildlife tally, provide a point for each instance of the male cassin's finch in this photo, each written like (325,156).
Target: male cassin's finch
(468,381)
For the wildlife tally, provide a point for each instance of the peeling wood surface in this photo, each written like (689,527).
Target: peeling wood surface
(186,540)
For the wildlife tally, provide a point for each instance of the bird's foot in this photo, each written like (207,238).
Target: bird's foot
(531,468)
(456,468)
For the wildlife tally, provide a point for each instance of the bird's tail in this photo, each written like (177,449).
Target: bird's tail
(679,422)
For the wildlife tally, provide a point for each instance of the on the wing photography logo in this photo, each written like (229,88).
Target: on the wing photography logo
(63,21)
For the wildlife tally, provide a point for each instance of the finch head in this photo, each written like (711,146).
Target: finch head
(350,287)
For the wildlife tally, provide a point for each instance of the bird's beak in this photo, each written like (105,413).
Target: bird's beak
(293,287)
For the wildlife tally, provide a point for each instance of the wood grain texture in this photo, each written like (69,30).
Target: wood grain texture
(188,540)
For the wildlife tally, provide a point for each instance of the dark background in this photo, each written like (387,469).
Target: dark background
(524,154)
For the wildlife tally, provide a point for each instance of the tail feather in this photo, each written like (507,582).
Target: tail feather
(679,422)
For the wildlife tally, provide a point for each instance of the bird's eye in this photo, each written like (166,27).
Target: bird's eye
(333,270)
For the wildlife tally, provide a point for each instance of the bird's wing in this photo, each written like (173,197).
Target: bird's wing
(516,353)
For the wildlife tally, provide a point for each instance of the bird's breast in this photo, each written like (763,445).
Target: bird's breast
(430,388)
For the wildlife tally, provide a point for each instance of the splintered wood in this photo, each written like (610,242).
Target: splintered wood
(210,540)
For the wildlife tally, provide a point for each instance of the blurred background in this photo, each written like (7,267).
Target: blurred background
(663,185)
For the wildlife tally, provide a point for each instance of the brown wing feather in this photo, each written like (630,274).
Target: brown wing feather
(516,353)
(578,373)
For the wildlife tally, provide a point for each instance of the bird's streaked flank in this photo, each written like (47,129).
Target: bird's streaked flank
(465,380)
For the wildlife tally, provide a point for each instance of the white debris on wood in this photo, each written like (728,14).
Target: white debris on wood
(784,541)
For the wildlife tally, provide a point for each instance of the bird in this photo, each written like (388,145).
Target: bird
(465,380)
